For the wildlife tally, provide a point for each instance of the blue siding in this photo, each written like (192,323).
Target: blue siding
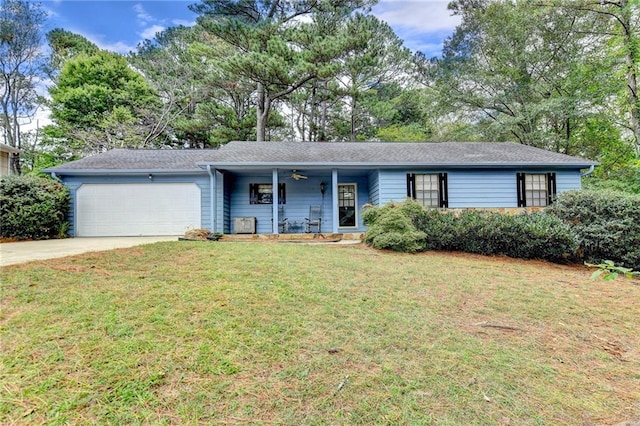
(482,188)
(374,187)
(473,188)
(74,182)
(392,186)
(568,180)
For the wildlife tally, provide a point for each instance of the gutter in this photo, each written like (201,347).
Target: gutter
(588,172)
(390,165)
(121,172)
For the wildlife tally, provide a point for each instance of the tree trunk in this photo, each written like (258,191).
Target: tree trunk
(312,114)
(323,118)
(353,118)
(262,111)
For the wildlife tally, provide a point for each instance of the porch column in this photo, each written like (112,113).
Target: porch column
(213,199)
(276,201)
(334,200)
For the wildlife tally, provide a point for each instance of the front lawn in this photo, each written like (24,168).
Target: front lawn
(273,333)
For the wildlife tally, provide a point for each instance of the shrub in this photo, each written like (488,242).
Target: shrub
(33,207)
(525,236)
(606,223)
(393,227)
(409,227)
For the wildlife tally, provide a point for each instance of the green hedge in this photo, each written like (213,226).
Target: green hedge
(409,227)
(33,208)
(606,223)
(393,227)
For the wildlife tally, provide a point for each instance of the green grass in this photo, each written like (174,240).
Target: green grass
(272,333)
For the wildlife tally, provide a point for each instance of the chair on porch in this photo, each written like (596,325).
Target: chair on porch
(283,222)
(314,221)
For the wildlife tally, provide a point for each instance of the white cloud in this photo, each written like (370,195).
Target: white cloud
(117,47)
(422,15)
(143,16)
(422,24)
(99,40)
(151,32)
(183,22)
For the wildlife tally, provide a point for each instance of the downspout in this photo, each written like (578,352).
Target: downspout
(212,197)
(588,172)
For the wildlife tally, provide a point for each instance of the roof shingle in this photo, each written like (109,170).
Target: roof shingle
(299,154)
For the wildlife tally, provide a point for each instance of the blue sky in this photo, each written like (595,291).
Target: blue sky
(119,25)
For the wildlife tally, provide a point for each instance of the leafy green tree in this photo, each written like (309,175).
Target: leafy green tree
(21,60)
(65,45)
(517,70)
(279,45)
(381,58)
(99,102)
(616,24)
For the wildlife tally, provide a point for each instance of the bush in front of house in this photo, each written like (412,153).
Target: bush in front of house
(33,208)
(606,223)
(393,227)
(526,236)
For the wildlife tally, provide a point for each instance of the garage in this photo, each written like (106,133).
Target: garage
(142,209)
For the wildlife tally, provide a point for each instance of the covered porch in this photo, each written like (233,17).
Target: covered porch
(280,200)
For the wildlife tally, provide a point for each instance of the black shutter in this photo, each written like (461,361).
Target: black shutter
(522,201)
(411,185)
(444,190)
(253,193)
(551,188)
(282,194)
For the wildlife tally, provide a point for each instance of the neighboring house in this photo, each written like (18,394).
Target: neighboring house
(165,192)
(5,154)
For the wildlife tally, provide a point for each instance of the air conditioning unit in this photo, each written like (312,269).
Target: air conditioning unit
(244,225)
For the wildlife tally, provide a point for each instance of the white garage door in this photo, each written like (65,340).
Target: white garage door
(137,209)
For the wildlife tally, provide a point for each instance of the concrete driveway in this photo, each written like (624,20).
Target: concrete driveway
(26,251)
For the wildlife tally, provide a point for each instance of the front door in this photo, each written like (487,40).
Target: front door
(347,205)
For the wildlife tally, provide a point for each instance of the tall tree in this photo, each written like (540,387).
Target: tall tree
(21,59)
(203,104)
(99,102)
(617,22)
(65,45)
(379,59)
(518,71)
(274,44)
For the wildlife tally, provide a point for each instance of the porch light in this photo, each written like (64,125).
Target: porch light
(150,176)
(323,187)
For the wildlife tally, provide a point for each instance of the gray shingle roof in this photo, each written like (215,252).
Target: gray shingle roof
(306,154)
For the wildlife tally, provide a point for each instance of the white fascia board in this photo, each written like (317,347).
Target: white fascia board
(248,166)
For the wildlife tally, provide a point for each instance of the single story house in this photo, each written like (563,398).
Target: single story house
(5,154)
(250,187)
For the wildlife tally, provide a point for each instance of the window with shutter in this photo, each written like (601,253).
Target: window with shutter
(535,189)
(430,190)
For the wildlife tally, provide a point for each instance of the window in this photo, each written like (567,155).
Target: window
(262,193)
(536,189)
(430,190)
